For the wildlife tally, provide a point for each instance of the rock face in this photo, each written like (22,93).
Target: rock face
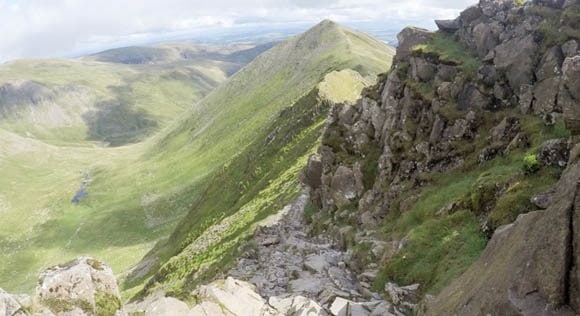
(84,286)
(528,267)
(569,93)
(435,114)
(9,306)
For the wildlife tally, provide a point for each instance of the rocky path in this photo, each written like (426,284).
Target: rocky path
(286,272)
(286,262)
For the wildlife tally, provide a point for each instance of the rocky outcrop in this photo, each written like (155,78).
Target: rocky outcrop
(285,271)
(438,113)
(289,267)
(84,286)
(569,95)
(528,267)
(9,306)
(81,287)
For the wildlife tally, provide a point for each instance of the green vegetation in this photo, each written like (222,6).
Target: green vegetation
(439,250)
(451,218)
(442,246)
(106,304)
(448,50)
(197,168)
(343,86)
(531,163)
(256,183)
(557,26)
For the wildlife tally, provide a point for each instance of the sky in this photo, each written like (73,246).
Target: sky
(66,28)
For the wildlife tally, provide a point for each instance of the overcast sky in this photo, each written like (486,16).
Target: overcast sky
(57,28)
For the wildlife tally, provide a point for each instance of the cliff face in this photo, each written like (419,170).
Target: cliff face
(471,124)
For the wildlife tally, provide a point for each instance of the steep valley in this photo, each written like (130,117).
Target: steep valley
(136,193)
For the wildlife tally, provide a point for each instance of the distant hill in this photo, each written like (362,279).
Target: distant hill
(115,97)
(237,54)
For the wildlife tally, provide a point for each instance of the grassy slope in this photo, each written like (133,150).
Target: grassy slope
(241,111)
(137,193)
(161,91)
(162,82)
(42,172)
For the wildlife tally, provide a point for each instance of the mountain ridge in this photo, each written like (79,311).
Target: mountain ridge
(136,194)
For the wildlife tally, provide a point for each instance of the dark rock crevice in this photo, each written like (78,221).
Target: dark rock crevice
(570,260)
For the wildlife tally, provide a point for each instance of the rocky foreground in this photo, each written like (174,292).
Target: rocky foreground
(284,272)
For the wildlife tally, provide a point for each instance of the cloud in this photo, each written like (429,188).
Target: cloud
(52,28)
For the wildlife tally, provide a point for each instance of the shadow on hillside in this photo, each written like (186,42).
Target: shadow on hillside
(118,123)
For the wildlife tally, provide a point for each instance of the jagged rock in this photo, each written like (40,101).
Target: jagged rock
(316,263)
(487,74)
(543,200)
(402,294)
(462,128)
(570,48)
(491,8)
(503,92)
(490,152)
(448,209)
(569,96)
(344,307)
(467,16)
(526,98)
(521,140)
(516,58)
(550,65)
(422,70)
(9,306)
(296,306)
(484,37)
(383,309)
(234,296)
(312,174)
(506,130)
(448,26)
(571,79)
(408,38)
(372,113)
(471,98)
(167,306)
(346,185)
(545,94)
(207,309)
(84,284)
(446,72)
(347,115)
(554,152)
(525,268)
(437,131)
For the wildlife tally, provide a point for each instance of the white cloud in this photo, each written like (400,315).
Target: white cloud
(52,28)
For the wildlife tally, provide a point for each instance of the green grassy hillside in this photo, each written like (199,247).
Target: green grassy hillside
(243,114)
(207,165)
(111,96)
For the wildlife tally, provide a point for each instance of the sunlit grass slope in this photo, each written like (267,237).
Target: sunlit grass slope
(244,114)
(120,96)
(45,155)
(137,194)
